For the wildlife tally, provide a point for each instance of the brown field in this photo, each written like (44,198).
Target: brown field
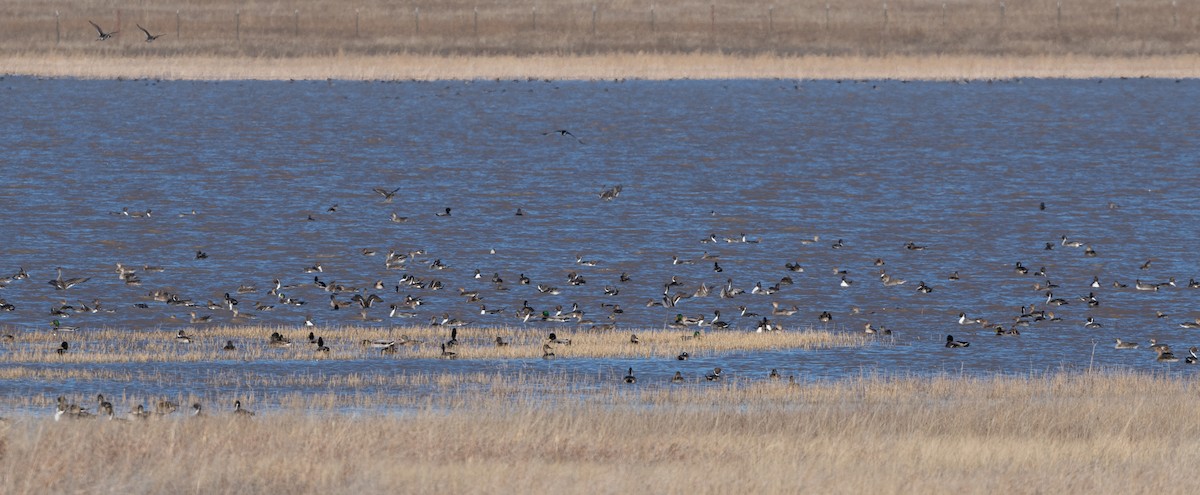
(1105,433)
(575,39)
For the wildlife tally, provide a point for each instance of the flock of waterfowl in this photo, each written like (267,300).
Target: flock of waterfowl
(67,410)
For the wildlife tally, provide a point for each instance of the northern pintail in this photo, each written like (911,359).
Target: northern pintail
(553,339)
(1192,358)
(1091,323)
(387,195)
(774,375)
(683,356)
(629,378)
(149,37)
(547,351)
(1190,324)
(444,213)
(64,284)
(448,354)
(1126,345)
(633,339)
(228,346)
(182,337)
(714,376)
(1089,252)
(609,194)
(1067,243)
(62,348)
(100,32)
(678,378)
(239,411)
(1165,355)
(564,132)
(1139,285)
(924,289)
(950,342)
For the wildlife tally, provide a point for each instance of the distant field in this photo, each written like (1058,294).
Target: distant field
(456,32)
(524,27)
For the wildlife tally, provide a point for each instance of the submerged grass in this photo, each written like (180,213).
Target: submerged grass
(415,342)
(1108,433)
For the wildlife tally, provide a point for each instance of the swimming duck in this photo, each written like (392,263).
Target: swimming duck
(1126,345)
(678,378)
(448,354)
(950,342)
(629,378)
(239,411)
(683,356)
(714,376)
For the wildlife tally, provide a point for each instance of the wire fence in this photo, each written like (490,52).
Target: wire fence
(932,26)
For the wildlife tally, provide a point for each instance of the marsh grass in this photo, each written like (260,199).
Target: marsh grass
(251,342)
(1108,433)
(578,39)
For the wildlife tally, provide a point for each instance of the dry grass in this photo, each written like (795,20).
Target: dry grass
(1121,433)
(576,39)
(141,346)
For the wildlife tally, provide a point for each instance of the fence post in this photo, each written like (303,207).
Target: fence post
(1174,15)
(1001,15)
(652,29)
(593,19)
(417,20)
(885,16)
(177,24)
(356,16)
(237,24)
(296,23)
(533,15)
(1058,19)
(770,19)
(57,29)
(712,19)
(1117,16)
(943,14)
(475,24)
(826,16)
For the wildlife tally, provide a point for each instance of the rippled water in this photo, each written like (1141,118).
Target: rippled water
(958,168)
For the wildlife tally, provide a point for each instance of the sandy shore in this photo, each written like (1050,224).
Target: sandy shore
(598,67)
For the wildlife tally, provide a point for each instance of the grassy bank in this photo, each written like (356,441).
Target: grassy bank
(598,67)
(1119,433)
(582,39)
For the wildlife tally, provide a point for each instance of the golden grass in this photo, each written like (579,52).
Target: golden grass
(650,66)
(583,39)
(1106,433)
(142,346)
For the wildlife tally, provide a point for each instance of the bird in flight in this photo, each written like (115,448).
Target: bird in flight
(563,132)
(149,37)
(103,35)
(387,195)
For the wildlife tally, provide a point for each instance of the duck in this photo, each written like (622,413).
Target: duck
(102,35)
(183,338)
(164,407)
(1192,358)
(196,409)
(714,376)
(555,340)
(951,343)
(500,341)
(629,378)
(62,348)
(547,351)
(448,354)
(1091,323)
(633,339)
(228,346)
(1126,345)
(1139,285)
(678,378)
(683,356)
(139,412)
(774,374)
(239,411)
(443,213)
(1165,355)
(1190,324)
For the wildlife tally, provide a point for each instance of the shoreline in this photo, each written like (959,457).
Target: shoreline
(638,66)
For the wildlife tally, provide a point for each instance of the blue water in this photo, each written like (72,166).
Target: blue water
(958,168)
